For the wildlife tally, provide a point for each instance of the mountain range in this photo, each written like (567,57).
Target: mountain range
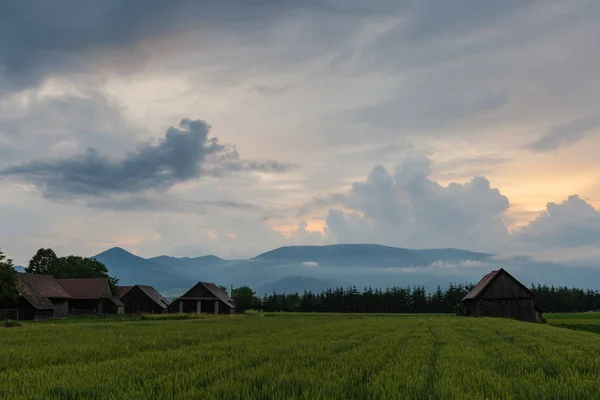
(298,268)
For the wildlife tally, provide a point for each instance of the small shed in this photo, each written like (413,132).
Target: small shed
(499,294)
(41,297)
(204,297)
(92,296)
(143,299)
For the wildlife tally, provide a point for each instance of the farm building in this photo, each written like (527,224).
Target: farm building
(123,290)
(205,297)
(41,297)
(92,296)
(141,298)
(499,294)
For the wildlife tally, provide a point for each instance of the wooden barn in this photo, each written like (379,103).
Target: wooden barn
(142,299)
(92,296)
(204,297)
(41,297)
(499,294)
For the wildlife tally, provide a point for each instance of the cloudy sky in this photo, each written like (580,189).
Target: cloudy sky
(236,126)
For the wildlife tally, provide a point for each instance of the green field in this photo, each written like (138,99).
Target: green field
(296,356)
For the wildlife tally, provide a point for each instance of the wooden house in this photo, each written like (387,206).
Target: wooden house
(204,297)
(499,294)
(41,297)
(143,299)
(92,296)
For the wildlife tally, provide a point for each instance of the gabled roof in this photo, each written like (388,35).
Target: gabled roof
(486,281)
(154,295)
(215,291)
(123,290)
(39,289)
(481,285)
(86,289)
(116,301)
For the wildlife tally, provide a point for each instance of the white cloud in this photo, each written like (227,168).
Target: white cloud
(409,209)
(572,223)
(310,264)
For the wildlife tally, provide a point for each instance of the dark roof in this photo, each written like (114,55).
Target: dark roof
(214,289)
(116,301)
(486,281)
(154,295)
(123,290)
(84,288)
(482,284)
(39,289)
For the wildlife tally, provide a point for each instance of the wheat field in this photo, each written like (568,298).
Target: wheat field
(299,356)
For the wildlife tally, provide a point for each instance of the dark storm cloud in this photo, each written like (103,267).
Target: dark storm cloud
(566,134)
(184,154)
(166,203)
(38,38)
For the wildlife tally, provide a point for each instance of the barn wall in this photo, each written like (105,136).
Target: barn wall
(26,310)
(61,307)
(85,306)
(224,308)
(43,315)
(173,307)
(136,301)
(503,287)
(520,309)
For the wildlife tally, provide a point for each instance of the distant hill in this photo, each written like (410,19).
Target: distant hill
(189,265)
(131,270)
(367,255)
(293,269)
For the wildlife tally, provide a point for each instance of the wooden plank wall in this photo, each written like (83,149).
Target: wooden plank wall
(503,287)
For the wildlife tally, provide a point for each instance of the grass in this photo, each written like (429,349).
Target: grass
(588,321)
(300,356)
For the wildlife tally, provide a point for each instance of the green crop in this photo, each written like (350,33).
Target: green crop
(299,356)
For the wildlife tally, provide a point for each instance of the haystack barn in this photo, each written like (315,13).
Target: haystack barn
(41,297)
(205,297)
(143,299)
(92,296)
(499,294)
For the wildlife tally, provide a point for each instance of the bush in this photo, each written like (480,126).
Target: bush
(9,323)
(461,309)
(254,313)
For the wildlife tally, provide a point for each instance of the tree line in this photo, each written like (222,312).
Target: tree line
(411,300)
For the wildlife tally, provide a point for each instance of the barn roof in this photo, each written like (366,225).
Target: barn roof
(85,288)
(39,289)
(154,295)
(123,290)
(486,281)
(116,301)
(214,290)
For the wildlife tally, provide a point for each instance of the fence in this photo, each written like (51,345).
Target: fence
(6,314)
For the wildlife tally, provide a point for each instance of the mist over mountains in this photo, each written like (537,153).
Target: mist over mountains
(299,268)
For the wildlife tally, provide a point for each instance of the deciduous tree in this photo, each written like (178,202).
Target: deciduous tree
(8,283)
(43,262)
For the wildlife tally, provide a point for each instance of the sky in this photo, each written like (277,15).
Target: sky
(235,127)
